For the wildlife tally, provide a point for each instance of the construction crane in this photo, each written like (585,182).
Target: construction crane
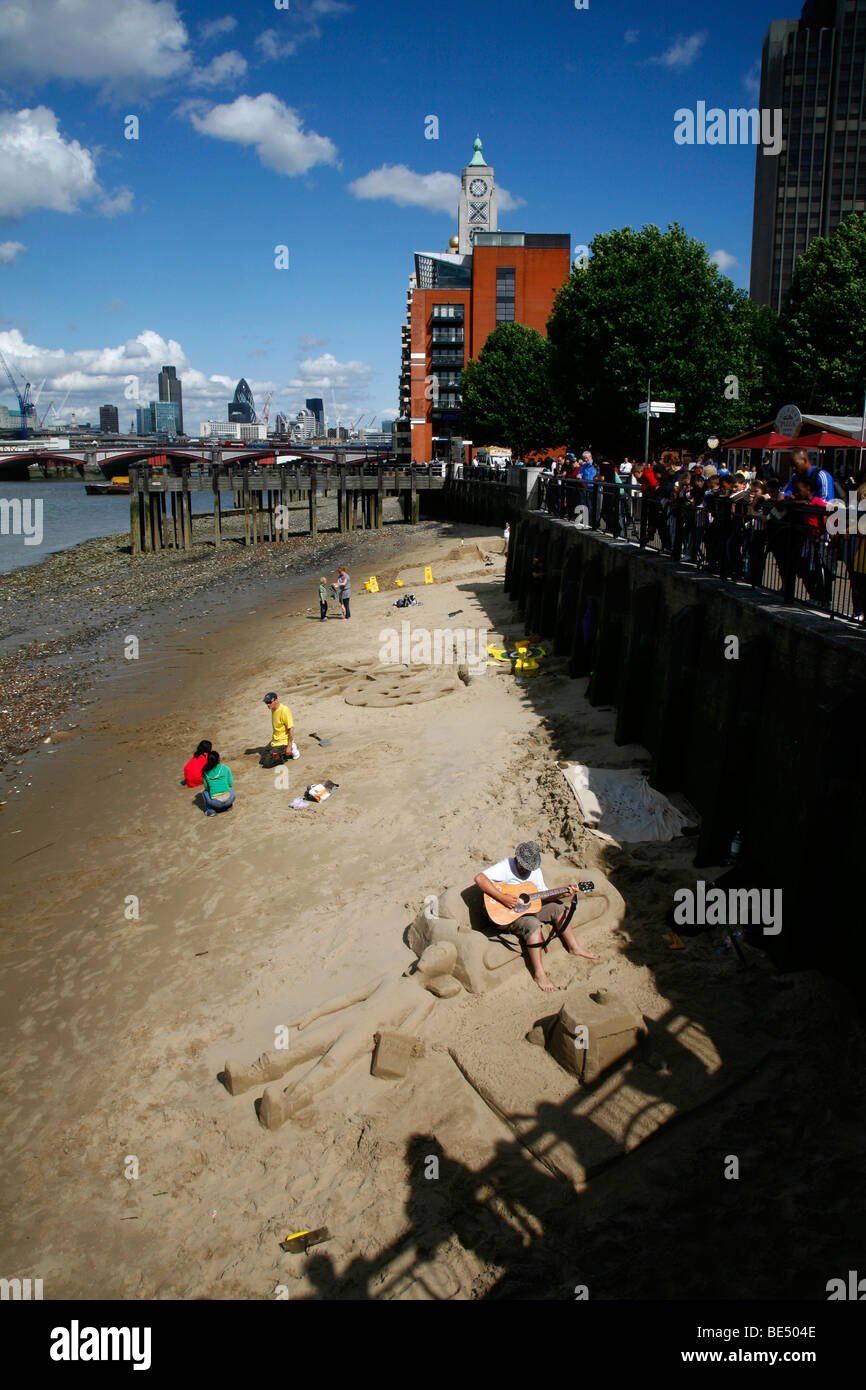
(263,418)
(25,401)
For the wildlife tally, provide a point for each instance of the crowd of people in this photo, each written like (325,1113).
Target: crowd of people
(729,521)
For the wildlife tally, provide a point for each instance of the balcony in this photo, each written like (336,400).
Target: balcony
(447,335)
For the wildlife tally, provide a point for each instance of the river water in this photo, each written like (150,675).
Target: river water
(68,516)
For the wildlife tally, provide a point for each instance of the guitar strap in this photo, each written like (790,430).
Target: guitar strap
(557,931)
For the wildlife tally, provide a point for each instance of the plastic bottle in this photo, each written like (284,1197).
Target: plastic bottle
(736,846)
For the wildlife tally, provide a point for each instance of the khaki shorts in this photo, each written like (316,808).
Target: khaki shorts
(527,925)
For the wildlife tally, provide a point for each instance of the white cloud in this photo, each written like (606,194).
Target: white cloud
(437,192)
(632,35)
(94,376)
(116,206)
(752,79)
(274,130)
(307,342)
(223,70)
(39,169)
(724,260)
(298,25)
(216,27)
(115,306)
(683,53)
(326,372)
(93,41)
(10,251)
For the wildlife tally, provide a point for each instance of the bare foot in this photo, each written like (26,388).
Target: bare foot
(587,955)
(544,983)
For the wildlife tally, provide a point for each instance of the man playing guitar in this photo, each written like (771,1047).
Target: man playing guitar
(524,873)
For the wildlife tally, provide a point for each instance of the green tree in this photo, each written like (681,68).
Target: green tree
(651,305)
(507,394)
(823,324)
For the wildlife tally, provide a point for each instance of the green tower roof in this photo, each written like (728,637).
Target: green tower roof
(478,157)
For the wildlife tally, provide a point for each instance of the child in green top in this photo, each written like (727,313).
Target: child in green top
(217,793)
(323,599)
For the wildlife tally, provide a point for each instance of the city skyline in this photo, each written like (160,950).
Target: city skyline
(243,197)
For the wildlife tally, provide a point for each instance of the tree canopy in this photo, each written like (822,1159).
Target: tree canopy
(650,305)
(507,397)
(822,326)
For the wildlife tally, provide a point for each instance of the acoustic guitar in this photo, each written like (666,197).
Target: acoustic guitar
(502,916)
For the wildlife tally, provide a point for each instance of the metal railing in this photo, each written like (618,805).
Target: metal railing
(786,549)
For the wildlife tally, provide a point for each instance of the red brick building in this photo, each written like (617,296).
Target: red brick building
(456,299)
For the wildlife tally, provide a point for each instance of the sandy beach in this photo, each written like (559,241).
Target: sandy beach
(144,944)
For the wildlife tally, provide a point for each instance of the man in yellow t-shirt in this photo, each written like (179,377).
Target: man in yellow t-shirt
(280,747)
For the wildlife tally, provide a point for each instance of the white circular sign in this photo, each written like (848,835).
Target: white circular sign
(788,420)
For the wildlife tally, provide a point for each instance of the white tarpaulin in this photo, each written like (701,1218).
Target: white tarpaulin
(622,806)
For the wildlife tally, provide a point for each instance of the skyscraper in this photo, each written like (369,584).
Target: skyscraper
(242,407)
(317,405)
(812,69)
(108,421)
(170,390)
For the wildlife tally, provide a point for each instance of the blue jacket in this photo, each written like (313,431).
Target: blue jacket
(820,480)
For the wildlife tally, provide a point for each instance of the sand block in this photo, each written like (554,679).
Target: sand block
(270,1066)
(279,1105)
(393,1053)
(593,1029)
(443,986)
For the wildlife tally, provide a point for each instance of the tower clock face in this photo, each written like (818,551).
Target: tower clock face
(478,186)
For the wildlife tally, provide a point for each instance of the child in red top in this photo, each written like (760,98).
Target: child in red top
(193,769)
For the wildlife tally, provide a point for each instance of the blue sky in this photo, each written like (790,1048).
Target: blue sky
(304,127)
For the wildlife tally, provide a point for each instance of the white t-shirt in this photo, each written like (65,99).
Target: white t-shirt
(506,872)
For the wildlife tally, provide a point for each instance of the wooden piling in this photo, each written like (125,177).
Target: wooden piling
(380,496)
(314,524)
(245,483)
(186,510)
(217,511)
(134,512)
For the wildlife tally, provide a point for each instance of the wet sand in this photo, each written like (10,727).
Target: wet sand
(115,1028)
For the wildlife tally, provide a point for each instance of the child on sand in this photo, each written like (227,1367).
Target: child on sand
(323,598)
(193,769)
(216,792)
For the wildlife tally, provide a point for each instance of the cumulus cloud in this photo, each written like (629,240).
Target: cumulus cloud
(682,53)
(724,260)
(271,128)
(94,376)
(437,192)
(326,372)
(222,71)
(39,169)
(94,41)
(10,251)
(214,28)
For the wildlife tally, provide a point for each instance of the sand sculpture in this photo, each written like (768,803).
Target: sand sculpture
(452,955)
(484,958)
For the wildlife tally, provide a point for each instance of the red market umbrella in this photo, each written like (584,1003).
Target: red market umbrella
(825,439)
(764,439)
